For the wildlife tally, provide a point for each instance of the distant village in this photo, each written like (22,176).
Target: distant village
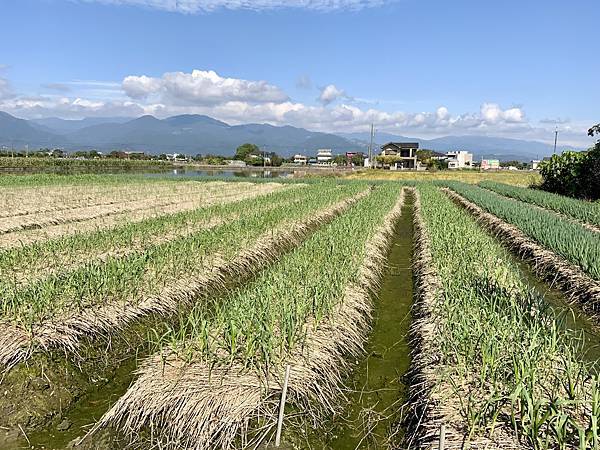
(391,156)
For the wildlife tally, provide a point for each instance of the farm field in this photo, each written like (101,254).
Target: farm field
(153,312)
(516,178)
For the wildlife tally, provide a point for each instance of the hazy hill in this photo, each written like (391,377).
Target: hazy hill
(192,134)
(61,126)
(18,133)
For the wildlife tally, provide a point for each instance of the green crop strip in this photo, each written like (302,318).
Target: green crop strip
(258,325)
(506,361)
(570,240)
(19,261)
(584,211)
(135,276)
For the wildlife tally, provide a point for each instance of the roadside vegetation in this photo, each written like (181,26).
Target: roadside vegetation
(517,178)
(575,174)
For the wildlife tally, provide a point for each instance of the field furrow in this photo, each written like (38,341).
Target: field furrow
(585,212)
(492,359)
(225,372)
(103,298)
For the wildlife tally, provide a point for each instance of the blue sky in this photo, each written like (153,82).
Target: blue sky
(414,67)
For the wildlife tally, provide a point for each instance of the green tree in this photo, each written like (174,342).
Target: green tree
(276,160)
(576,174)
(340,160)
(244,151)
(358,159)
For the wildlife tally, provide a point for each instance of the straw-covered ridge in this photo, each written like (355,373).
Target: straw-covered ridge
(424,419)
(20,201)
(86,213)
(68,329)
(26,237)
(574,282)
(492,361)
(218,395)
(585,212)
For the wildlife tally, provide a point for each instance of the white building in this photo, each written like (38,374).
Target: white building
(324,156)
(176,157)
(235,163)
(300,159)
(459,160)
(535,164)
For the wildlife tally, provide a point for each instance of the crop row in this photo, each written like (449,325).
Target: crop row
(95,221)
(498,367)
(167,270)
(127,233)
(222,369)
(40,199)
(586,212)
(26,263)
(43,219)
(570,240)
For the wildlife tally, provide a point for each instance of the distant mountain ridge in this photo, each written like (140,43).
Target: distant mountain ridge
(192,134)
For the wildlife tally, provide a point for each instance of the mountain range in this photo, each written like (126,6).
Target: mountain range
(193,134)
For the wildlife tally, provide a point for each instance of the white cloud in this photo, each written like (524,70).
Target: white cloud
(331,93)
(201,88)
(205,6)
(141,86)
(242,101)
(492,113)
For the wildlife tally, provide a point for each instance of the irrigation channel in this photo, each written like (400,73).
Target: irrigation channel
(377,385)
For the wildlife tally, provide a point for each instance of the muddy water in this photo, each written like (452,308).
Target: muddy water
(378,389)
(78,420)
(572,318)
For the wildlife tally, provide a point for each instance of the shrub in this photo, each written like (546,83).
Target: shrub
(576,174)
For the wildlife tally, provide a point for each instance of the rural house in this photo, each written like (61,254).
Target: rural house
(459,160)
(324,156)
(399,155)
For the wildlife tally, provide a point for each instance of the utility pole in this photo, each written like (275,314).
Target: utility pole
(371,147)
(555,139)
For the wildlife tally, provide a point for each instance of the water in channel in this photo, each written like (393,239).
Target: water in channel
(377,382)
